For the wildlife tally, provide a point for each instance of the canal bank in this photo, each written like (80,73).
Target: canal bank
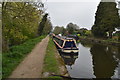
(53,63)
(99,41)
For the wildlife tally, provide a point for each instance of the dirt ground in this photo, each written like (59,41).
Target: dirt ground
(31,66)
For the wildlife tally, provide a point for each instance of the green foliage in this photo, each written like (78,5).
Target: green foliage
(78,35)
(82,31)
(71,28)
(42,24)
(59,30)
(88,33)
(106,19)
(16,54)
(48,27)
(20,22)
(118,35)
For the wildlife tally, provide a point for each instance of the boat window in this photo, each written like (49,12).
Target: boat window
(69,44)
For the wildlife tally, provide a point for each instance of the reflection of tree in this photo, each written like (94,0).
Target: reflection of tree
(86,44)
(117,58)
(117,53)
(119,62)
(103,61)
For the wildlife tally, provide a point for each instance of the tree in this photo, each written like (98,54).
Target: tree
(88,33)
(48,27)
(20,23)
(82,31)
(71,28)
(106,19)
(63,31)
(118,34)
(42,24)
(59,30)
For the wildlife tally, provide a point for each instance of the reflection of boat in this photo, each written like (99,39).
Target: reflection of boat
(69,59)
(64,44)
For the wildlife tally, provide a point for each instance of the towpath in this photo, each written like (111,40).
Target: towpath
(31,66)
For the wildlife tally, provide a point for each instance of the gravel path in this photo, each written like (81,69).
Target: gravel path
(31,66)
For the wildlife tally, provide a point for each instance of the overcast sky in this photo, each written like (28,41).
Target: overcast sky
(80,13)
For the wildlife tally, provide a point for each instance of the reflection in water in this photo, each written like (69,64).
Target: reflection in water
(103,61)
(69,59)
(94,61)
(82,67)
(117,58)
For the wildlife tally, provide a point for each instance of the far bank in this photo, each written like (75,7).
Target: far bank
(99,41)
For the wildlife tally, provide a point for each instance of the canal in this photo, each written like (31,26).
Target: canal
(93,61)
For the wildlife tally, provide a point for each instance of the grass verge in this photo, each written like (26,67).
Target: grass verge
(11,59)
(51,64)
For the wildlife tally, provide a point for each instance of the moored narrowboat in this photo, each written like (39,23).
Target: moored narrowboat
(65,44)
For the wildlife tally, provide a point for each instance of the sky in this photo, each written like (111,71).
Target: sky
(78,12)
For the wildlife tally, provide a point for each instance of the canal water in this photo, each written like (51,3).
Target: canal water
(94,61)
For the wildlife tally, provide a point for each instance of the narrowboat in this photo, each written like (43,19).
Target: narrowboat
(65,44)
